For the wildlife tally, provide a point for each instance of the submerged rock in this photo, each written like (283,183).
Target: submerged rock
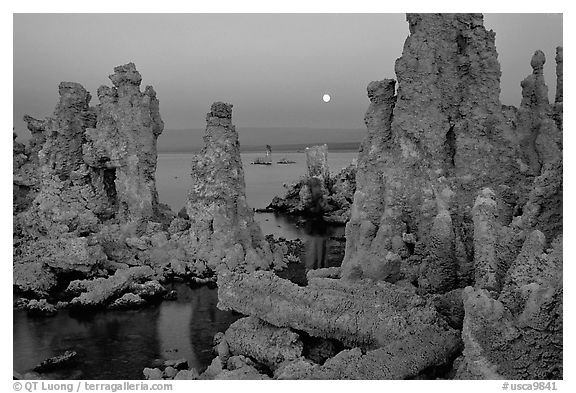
(56,362)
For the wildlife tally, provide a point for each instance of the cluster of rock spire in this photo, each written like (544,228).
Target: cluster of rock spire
(454,239)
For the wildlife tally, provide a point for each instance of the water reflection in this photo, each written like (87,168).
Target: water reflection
(119,344)
(323,246)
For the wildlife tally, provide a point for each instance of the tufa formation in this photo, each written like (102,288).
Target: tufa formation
(221,232)
(455,232)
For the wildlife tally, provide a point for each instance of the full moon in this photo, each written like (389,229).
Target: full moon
(326,97)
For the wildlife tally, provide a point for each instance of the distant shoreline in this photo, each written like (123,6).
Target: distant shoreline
(284,148)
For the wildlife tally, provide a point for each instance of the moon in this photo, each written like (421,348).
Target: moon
(326,97)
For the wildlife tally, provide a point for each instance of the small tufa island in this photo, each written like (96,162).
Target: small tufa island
(319,194)
(453,259)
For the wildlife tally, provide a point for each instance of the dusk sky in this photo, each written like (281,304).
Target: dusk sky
(274,68)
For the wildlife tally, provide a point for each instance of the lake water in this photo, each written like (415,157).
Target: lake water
(262,184)
(119,344)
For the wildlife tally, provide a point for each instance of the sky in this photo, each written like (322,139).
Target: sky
(274,68)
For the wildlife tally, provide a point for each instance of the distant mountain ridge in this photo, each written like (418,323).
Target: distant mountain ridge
(256,138)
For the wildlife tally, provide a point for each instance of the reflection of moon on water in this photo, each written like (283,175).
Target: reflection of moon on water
(326,97)
(174,332)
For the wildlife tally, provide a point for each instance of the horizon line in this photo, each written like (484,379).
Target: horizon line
(274,127)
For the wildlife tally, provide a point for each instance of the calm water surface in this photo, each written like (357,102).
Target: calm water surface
(262,184)
(119,344)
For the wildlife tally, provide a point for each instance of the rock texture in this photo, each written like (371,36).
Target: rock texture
(86,204)
(90,172)
(518,334)
(265,343)
(453,245)
(317,161)
(455,230)
(56,362)
(357,314)
(72,196)
(123,143)
(40,308)
(399,360)
(540,138)
(559,100)
(221,232)
(429,149)
(100,292)
(319,193)
(402,333)
(26,176)
(171,369)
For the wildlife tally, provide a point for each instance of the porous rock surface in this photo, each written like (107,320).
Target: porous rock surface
(95,170)
(220,232)
(453,247)
(559,100)
(71,195)
(40,308)
(455,236)
(356,314)
(86,204)
(25,177)
(317,161)
(101,291)
(123,142)
(318,193)
(518,334)
(540,138)
(429,148)
(265,343)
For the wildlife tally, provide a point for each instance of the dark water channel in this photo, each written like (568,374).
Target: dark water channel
(119,344)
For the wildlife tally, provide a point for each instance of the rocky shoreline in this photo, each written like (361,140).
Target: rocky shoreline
(453,257)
